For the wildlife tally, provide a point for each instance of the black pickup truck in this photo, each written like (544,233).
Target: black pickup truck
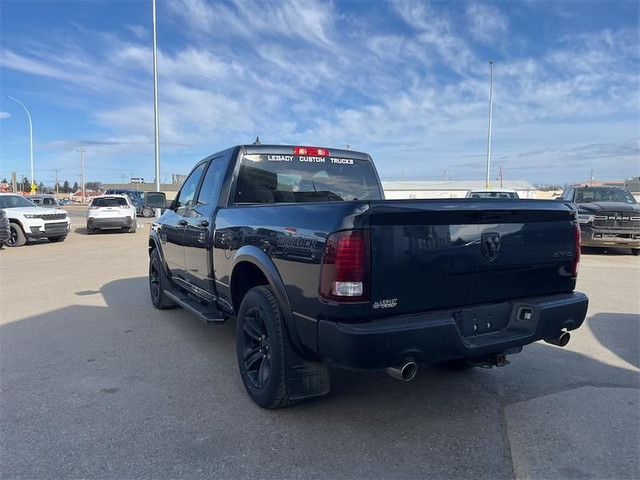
(300,247)
(609,216)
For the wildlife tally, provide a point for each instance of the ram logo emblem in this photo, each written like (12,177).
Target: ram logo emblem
(490,245)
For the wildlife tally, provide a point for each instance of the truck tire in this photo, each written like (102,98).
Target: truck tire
(17,238)
(147,211)
(57,239)
(158,282)
(260,347)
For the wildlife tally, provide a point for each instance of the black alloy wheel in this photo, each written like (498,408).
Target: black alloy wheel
(158,282)
(17,238)
(256,353)
(260,346)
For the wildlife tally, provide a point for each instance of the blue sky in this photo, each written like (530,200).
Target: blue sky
(406,81)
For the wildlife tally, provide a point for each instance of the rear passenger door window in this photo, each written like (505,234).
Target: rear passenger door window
(210,190)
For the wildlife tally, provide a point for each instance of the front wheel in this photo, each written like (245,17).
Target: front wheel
(158,282)
(17,238)
(260,347)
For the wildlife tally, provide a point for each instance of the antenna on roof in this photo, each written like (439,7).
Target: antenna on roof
(257,142)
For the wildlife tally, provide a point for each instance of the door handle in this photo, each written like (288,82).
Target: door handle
(203,223)
(182,223)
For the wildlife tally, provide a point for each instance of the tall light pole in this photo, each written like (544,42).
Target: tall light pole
(33,184)
(155,99)
(82,150)
(490,123)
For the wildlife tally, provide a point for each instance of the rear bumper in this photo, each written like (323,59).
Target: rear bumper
(600,237)
(436,336)
(111,222)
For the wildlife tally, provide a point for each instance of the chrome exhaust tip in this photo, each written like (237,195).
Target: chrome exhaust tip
(405,371)
(560,340)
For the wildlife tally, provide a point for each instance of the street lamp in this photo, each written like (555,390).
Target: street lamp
(33,184)
(490,124)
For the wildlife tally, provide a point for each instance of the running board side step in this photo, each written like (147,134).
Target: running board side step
(208,314)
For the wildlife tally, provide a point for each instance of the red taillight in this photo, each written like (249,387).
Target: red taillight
(345,267)
(576,249)
(320,152)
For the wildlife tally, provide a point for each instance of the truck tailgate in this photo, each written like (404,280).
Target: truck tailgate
(433,254)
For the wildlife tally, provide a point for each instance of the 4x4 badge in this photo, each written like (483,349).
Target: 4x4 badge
(490,245)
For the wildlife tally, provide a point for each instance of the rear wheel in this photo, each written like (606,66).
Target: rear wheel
(57,239)
(260,347)
(132,228)
(158,282)
(17,238)
(147,211)
(90,231)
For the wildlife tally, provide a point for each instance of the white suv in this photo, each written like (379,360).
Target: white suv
(111,211)
(28,221)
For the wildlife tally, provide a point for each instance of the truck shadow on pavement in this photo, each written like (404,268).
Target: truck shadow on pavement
(619,333)
(110,387)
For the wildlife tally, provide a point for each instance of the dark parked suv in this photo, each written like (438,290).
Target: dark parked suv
(5,231)
(137,198)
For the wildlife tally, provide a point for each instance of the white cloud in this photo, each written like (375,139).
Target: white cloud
(486,23)
(436,34)
(4,115)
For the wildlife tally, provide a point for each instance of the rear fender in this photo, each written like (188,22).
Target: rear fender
(261,260)
(304,378)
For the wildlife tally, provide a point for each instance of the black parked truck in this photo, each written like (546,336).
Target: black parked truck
(609,216)
(300,247)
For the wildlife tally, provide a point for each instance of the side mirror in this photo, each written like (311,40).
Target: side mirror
(156,199)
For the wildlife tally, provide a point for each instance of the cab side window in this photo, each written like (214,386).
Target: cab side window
(188,191)
(210,190)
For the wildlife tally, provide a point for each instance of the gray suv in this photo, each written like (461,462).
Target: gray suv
(137,198)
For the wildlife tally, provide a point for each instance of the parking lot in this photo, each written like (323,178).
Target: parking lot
(96,383)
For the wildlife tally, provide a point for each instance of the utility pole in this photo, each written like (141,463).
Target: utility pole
(591,178)
(490,122)
(123,177)
(82,150)
(56,170)
(500,176)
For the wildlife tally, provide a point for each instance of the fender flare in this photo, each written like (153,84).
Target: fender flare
(157,244)
(260,259)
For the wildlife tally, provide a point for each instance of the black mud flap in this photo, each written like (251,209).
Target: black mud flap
(305,379)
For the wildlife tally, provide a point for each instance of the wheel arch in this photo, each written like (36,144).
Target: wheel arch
(251,267)
(18,222)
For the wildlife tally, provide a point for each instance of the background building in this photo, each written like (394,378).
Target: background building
(450,189)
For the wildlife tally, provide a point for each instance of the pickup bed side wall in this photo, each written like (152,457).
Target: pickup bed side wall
(287,243)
